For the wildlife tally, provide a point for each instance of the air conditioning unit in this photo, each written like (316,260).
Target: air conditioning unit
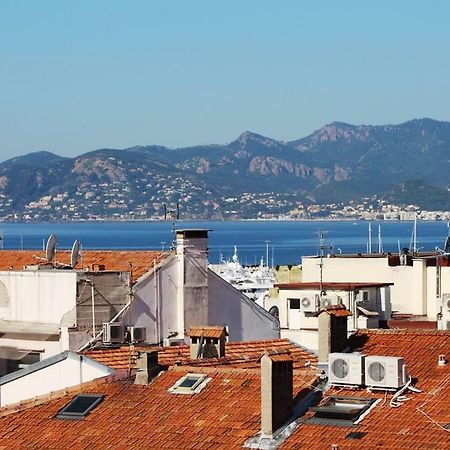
(112,333)
(325,302)
(346,368)
(385,372)
(172,342)
(136,334)
(308,304)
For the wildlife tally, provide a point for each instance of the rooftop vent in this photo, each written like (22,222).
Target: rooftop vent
(442,361)
(207,342)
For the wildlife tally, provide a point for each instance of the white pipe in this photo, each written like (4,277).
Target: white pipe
(112,320)
(93,308)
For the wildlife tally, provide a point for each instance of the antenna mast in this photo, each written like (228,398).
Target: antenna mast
(413,243)
(380,242)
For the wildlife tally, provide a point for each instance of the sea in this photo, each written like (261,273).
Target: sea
(281,242)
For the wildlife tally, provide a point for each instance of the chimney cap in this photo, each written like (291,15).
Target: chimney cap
(335,310)
(192,233)
(208,332)
(284,356)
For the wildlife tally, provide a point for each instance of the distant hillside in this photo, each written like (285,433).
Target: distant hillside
(406,163)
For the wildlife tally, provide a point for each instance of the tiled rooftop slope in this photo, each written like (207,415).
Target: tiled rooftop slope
(227,411)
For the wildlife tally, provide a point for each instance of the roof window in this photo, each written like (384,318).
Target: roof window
(191,383)
(80,406)
(341,410)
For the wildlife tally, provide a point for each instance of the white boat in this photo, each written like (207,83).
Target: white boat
(253,281)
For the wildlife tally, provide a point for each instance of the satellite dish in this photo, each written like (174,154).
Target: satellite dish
(50,248)
(75,253)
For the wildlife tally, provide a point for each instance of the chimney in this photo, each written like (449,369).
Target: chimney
(276,391)
(192,256)
(207,342)
(332,323)
(148,367)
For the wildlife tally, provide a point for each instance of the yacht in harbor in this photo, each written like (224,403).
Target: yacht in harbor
(253,281)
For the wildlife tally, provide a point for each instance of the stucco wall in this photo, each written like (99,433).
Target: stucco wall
(156,301)
(36,296)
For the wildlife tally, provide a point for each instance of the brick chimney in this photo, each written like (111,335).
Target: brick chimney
(148,366)
(207,342)
(276,391)
(332,330)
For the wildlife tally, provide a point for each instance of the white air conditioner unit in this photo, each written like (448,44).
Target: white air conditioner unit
(308,304)
(172,342)
(112,333)
(136,334)
(346,368)
(325,302)
(385,371)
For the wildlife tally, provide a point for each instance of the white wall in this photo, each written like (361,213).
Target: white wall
(37,296)
(69,372)
(156,301)
(408,294)
(245,319)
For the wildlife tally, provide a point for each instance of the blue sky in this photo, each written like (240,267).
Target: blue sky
(85,74)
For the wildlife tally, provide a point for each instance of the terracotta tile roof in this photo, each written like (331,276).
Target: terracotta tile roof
(112,260)
(335,310)
(227,411)
(237,354)
(208,332)
(222,416)
(417,423)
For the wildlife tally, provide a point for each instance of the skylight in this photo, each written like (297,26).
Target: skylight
(191,383)
(341,410)
(80,406)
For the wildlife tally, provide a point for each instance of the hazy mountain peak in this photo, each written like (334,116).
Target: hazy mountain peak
(247,138)
(38,158)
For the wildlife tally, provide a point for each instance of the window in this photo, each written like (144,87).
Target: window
(365,296)
(191,383)
(274,311)
(340,410)
(294,303)
(80,406)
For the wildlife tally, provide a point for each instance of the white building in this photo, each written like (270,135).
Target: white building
(57,372)
(297,304)
(419,282)
(46,308)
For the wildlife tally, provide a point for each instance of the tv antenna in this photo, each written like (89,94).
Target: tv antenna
(75,254)
(174,214)
(50,248)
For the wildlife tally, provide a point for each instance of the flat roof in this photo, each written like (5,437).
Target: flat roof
(344,286)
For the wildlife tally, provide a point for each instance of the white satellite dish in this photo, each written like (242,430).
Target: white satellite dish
(50,248)
(75,253)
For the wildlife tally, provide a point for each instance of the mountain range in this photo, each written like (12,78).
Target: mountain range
(406,163)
